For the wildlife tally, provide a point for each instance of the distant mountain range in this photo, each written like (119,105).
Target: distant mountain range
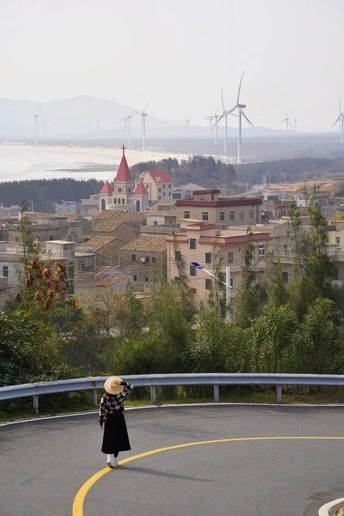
(85,117)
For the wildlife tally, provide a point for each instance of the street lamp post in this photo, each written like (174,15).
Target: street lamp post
(226,283)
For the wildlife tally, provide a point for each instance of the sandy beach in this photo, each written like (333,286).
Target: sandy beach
(27,162)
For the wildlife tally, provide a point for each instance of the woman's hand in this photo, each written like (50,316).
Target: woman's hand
(100,427)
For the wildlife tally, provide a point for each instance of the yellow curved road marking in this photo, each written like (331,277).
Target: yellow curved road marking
(78,503)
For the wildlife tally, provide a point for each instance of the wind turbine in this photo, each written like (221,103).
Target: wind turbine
(187,123)
(240,108)
(143,115)
(340,121)
(36,128)
(125,122)
(295,123)
(219,118)
(287,123)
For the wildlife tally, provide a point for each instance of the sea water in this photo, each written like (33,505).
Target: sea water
(22,163)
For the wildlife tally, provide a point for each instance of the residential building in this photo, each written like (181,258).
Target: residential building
(158,184)
(197,245)
(207,206)
(105,248)
(185,191)
(145,260)
(136,220)
(162,214)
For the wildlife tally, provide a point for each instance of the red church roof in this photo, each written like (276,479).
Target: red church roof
(141,189)
(123,173)
(107,188)
(156,174)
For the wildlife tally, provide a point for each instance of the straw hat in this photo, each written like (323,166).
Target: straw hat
(111,386)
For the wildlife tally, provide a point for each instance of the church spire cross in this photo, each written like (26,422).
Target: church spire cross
(123,149)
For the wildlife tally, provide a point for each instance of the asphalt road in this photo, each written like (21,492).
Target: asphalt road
(44,463)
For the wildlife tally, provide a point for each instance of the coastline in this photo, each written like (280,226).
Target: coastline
(133,155)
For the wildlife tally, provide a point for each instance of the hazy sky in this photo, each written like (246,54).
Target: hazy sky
(179,53)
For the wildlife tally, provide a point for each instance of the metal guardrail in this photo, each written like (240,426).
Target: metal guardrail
(157,380)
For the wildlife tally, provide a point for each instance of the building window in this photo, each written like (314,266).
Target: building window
(153,259)
(250,214)
(231,284)
(51,237)
(204,215)
(169,186)
(192,243)
(222,215)
(133,257)
(147,259)
(242,216)
(176,278)
(186,214)
(16,239)
(338,240)
(192,270)
(334,277)
(146,279)
(159,197)
(123,201)
(115,200)
(231,215)
(5,271)
(119,201)
(129,190)
(261,250)
(230,257)
(135,278)
(285,249)
(155,223)
(285,278)
(177,256)
(208,258)
(208,284)
(159,190)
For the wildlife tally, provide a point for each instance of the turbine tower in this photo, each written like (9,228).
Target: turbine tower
(125,122)
(287,123)
(36,128)
(143,115)
(129,135)
(210,118)
(340,121)
(187,124)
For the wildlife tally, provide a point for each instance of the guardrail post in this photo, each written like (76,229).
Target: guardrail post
(279,393)
(35,403)
(216,393)
(153,393)
(94,398)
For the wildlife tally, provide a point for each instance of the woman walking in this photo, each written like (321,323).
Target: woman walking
(115,437)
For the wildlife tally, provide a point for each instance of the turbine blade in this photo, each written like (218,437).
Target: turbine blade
(223,104)
(336,121)
(138,112)
(231,110)
(281,122)
(243,114)
(240,86)
(147,106)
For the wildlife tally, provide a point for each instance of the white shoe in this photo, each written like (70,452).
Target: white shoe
(110,460)
(115,462)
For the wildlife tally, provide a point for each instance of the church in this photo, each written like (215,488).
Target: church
(125,194)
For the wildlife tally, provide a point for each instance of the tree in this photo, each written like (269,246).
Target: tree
(248,296)
(313,267)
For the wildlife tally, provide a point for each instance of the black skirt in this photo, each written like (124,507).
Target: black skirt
(115,437)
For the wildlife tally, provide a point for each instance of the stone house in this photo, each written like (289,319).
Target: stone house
(145,260)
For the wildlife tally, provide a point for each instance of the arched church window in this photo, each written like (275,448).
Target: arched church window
(115,200)
(123,201)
